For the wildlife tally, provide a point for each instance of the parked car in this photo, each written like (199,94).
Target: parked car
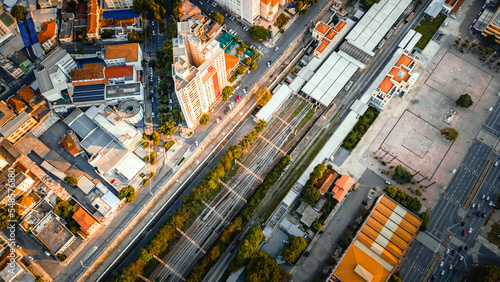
(470,230)
(387,183)
(276,49)
(441,264)
(47,253)
(30,257)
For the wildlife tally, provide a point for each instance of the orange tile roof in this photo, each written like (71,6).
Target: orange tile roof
(83,219)
(404,60)
(231,62)
(70,144)
(322,46)
(329,176)
(127,51)
(118,71)
(342,186)
(321,28)
(87,74)
(386,85)
(399,74)
(187,10)
(265,2)
(92,17)
(274,3)
(16,104)
(26,93)
(356,265)
(48,32)
(330,34)
(339,26)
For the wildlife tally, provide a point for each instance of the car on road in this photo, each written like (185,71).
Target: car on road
(462,224)
(226,110)
(442,272)
(245,90)
(463,232)
(470,230)
(237,98)
(30,257)
(220,117)
(276,49)
(496,163)
(196,143)
(447,251)
(451,266)
(483,196)
(153,114)
(488,198)
(269,64)
(441,264)
(474,21)
(453,16)
(433,277)
(474,205)
(471,25)
(387,183)
(47,253)
(478,206)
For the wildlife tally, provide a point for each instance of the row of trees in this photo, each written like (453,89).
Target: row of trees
(412,204)
(263,96)
(235,227)
(191,207)
(247,248)
(310,194)
(248,140)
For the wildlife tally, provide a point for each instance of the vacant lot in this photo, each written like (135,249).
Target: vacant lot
(428,28)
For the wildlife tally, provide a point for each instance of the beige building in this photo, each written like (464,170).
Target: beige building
(119,4)
(199,68)
(493,27)
(18,127)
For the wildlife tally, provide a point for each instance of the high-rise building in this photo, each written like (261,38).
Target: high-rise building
(248,10)
(493,27)
(199,69)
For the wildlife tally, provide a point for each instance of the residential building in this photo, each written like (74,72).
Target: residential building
(493,27)
(199,69)
(248,10)
(53,74)
(16,104)
(268,9)
(40,16)
(130,111)
(53,234)
(12,270)
(18,127)
(188,10)
(66,33)
(71,144)
(452,6)
(27,94)
(10,68)
(342,186)
(93,19)
(5,32)
(119,4)
(379,245)
(88,225)
(47,37)
(126,54)
(326,181)
(6,114)
(44,4)
(326,35)
(398,81)
(119,23)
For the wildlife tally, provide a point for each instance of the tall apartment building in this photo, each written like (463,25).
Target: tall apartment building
(248,10)
(199,68)
(119,4)
(493,27)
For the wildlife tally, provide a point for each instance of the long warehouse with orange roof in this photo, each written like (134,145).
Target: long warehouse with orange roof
(379,245)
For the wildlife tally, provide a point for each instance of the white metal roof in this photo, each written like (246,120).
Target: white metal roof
(331,145)
(416,37)
(376,23)
(130,166)
(330,78)
(276,101)
(434,8)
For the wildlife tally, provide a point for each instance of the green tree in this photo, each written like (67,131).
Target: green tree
(18,12)
(426,219)
(138,6)
(227,92)
(249,246)
(317,225)
(71,180)
(247,61)
(129,193)
(369,3)
(292,250)
(262,267)
(216,16)
(310,195)
(4,216)
(486,273)
(253,66)
(63,209)
(39,278)
(299,5)
(62,257)
(464,101)
(171,30)
(449,133)
(204,119)
(73,226)
(167,128)
(263,96)
(402,175)
(144,255)
(258,33)
(155,137)
(145,144)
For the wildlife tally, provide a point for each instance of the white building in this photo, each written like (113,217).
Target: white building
(4,32)
(125,54)
(44,4)
(199,68)
(119,4)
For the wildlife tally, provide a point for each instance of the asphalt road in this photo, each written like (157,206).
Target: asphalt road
(444,219)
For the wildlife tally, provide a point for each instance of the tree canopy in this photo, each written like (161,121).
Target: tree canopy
(63,209)
(426,219)
(249,246)
(129,193)
(167,128)
(4,216)
(71,180)
(449,133)
(299,5)
(204,119)
(369,3)
(171,30)
(262,267)
(263,96)
(258,33)
(464,101)
(310,195)
(216,16)
(486,273)
(227,92)
(401,175)
(18,12)
(292,250)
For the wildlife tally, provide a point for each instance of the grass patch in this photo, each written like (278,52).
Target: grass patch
(281,21)
(428,28)
(298,109)
(183,158)
(360,128)
(286,109)
(306,118)
(494,235)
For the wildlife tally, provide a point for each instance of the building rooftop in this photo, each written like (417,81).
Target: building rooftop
(85,220)
(124,90)
(118,71)
(321,28)
(52,233)
(88,73)
(89,94)
(309,215)
(323,184)
(26,93)
(6,114)
(16,104)
(127,51)
(71,144)
(14,124)
(342,186)
(92,17)
(48,31)
(130,166)
(380,244)
(188,10)
(120,14)
(128,108)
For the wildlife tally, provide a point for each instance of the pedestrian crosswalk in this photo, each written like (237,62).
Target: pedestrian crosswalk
(457,241)
(428,241)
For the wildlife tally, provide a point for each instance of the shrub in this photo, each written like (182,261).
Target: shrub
(449,133)
(71,180)
(387,172)
(204,119)
(292,250)
(384,163)
(169,145)
(464,101)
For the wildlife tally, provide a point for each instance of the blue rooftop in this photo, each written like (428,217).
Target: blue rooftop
(120,14)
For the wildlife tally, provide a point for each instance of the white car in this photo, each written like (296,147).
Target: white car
(441,264)
(470,230)
(47,253)
(276,49)
(153,114)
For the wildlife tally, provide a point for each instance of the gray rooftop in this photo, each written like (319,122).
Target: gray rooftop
(53,234)
(54,57)
(123,90)
(80,123)
(66,30)
(96,141)
(14,124)
(43,78)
